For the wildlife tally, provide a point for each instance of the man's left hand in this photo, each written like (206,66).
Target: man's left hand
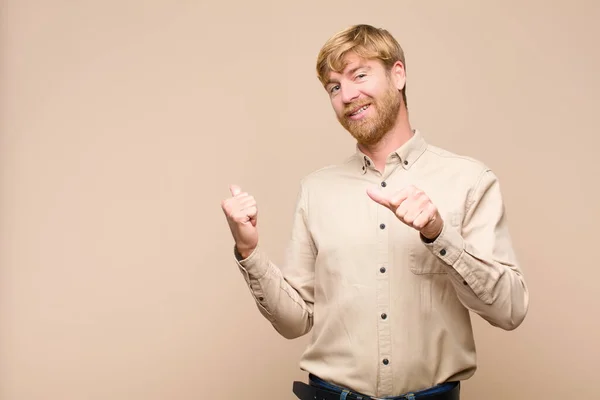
(413,207)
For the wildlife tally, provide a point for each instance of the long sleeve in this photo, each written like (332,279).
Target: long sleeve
(484,268)
(285,296)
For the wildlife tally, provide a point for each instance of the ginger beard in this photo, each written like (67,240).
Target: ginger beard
(383,113)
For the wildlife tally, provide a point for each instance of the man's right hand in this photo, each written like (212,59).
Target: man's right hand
(241,213)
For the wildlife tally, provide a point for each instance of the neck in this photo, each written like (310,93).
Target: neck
(391,141)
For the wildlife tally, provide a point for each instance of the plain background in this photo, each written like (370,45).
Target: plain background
(123,123)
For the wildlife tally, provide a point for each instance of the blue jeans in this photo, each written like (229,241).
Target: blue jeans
(315,380)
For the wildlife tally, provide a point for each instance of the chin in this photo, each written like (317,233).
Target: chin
(366,139)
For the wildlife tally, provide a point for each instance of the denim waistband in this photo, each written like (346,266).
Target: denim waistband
(441,388)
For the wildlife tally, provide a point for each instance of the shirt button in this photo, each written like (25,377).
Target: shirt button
(382,226)
(405,162)
(382,270)
(443,252)
(383,184)
(386,361)
(383,316)
(261,298)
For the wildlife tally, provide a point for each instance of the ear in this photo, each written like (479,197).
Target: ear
(398,73)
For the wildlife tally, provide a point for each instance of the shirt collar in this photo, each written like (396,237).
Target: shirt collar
(406,155)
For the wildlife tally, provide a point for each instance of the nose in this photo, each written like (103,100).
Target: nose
(349,93)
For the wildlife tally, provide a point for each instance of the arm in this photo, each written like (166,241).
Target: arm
(285,295)
(484,269)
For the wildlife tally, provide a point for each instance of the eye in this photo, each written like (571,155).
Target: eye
(360,76)
(334,88)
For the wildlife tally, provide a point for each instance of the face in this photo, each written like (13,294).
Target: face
(366,98)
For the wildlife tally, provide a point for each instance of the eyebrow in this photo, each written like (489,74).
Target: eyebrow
(352,71)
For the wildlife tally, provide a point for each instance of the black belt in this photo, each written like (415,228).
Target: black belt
(308,392)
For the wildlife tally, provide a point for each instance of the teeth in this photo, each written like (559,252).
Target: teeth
(360,110)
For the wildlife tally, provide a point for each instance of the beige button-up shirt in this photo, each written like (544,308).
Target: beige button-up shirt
(387,312)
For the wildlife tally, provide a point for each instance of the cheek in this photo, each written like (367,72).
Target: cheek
(374,93)
(337,105)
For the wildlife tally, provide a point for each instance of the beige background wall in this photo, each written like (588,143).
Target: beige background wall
(123,122)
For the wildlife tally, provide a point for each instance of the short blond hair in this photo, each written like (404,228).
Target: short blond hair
(367,42)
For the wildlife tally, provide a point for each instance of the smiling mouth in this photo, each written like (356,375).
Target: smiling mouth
(359,111)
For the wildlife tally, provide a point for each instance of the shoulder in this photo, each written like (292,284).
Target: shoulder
(451,159)
(331,174)
(456,164)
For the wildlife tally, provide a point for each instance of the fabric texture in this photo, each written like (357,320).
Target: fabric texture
(388,312)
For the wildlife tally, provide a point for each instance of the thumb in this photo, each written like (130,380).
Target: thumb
(378,196)
(235,190)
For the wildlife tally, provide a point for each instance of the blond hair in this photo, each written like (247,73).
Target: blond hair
(365,41)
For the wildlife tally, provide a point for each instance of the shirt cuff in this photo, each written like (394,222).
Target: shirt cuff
(255,265)
(448,246)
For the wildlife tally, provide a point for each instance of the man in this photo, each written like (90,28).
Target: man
(390,251)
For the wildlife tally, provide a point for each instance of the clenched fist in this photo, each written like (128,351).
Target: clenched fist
(241,213)
(413,207)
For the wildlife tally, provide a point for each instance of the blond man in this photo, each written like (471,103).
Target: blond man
(391,251)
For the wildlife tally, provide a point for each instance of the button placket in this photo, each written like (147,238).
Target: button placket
(384,336)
